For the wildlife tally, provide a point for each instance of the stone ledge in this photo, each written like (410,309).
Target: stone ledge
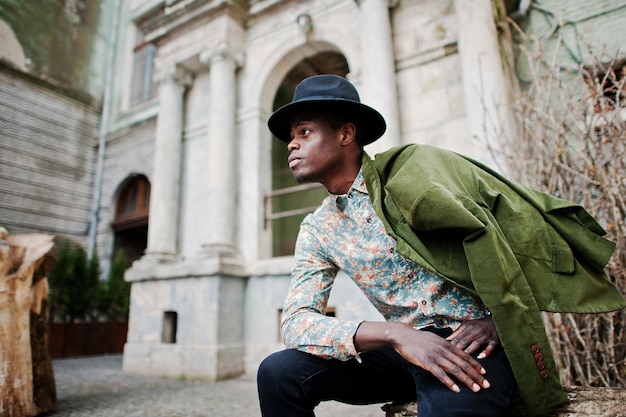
(584,402)
(150,270)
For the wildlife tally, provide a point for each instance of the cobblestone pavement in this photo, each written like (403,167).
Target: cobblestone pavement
(97,387)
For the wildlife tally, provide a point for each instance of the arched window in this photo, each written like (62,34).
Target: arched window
(133,204)
(289,202)
(132,210)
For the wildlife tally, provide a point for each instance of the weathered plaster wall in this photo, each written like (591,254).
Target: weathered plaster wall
(574,33)
(47,156)
(57,37)
(51,78)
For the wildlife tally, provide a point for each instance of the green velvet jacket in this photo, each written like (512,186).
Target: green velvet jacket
(521,251)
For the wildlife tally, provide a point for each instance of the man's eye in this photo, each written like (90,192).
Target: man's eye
(306,132)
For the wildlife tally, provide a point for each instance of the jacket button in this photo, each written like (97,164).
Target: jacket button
(534,349)
(541,365)
(544,374)
(538,356)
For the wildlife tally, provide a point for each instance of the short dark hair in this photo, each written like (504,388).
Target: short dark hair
(336,116)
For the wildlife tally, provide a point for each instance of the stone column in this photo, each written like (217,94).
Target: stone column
(486,89)
(378,73)
(165,187)
(222,163)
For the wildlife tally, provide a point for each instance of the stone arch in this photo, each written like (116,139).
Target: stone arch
(277,70)
(260,79)
(296,66)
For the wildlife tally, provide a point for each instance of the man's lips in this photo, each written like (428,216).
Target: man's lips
(293,160)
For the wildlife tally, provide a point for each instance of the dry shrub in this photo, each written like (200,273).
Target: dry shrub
(573,145)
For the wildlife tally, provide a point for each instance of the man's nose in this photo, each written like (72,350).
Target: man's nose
(292,145)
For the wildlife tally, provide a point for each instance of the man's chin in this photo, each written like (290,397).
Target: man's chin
(301,178)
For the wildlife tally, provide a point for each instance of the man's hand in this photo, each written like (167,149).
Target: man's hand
(473,335)
(424,349)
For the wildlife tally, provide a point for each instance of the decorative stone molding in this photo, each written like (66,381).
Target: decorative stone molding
(182,13)
(392,4)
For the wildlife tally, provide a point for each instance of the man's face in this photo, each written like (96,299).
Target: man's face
(314,151)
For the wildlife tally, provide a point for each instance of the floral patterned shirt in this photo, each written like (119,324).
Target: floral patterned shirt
(345,233)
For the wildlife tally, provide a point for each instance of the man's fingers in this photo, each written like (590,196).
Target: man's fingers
(491,346)
(473,335)
(464,369)
(448,363)
(473,347)
(443,376)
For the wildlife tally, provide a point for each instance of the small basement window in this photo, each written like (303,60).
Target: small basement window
(170,323)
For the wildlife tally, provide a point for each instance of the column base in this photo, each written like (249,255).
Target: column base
(153,257)
(222,251)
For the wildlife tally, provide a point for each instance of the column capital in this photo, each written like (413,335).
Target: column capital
(173,74)
(220,52)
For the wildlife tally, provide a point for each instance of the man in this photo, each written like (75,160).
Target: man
(457,259)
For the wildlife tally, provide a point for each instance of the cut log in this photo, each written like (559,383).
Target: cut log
(583,402)
(27,385)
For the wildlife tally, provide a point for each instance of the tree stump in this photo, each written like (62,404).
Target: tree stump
(27,385)
(583,402)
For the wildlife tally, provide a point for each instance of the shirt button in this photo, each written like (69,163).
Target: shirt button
(369,220)
(350,195)
(424,302)
(338,200)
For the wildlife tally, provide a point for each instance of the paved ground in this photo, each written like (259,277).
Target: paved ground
(97,387)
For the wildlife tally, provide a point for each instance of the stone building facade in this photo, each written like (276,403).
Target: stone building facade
(188,179)
(207,294)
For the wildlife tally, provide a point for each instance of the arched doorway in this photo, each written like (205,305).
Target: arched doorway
(131,218)
(289,201)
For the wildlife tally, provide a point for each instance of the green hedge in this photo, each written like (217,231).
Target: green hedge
(77,294)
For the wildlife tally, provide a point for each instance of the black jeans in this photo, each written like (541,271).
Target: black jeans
(292,383)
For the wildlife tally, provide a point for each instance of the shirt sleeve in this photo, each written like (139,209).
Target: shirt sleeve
(304,325)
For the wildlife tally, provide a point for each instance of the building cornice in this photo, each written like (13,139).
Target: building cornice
(185,11)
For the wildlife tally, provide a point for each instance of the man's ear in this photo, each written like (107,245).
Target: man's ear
(348,133)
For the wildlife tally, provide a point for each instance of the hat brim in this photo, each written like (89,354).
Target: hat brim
(369,121)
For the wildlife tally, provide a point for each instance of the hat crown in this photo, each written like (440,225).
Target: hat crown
(325,87)
(336,94)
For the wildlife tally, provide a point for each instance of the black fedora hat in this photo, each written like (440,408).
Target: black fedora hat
(334,93)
